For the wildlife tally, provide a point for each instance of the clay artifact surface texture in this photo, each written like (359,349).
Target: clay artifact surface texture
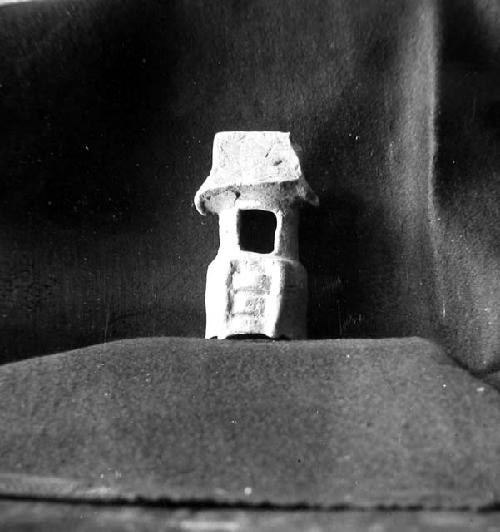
(256,284)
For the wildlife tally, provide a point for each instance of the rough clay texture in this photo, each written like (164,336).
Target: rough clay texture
(321,423)
(247,294)
(251,293)
(246,159)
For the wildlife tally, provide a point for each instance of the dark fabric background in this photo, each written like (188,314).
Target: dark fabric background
(108,111)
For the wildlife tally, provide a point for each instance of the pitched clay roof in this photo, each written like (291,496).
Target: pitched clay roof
(246,159)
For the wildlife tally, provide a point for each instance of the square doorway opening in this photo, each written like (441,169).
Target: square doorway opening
(257,230)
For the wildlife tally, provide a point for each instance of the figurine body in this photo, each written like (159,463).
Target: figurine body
(256,284)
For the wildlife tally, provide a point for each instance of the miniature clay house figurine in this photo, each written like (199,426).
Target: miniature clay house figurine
(256,284)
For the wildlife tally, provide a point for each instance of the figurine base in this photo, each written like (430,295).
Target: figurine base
(256,295)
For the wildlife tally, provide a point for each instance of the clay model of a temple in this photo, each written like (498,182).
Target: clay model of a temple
(256,285)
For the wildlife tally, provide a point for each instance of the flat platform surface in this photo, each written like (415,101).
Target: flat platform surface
(306,424)
(60,517)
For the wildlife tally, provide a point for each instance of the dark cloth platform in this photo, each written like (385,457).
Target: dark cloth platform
(325,423)
(22,516)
